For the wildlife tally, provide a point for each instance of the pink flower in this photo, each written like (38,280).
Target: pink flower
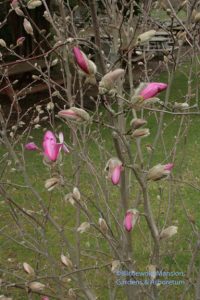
(31,146)
(116,174)
(152,89)
(85,64)
(131,219)
(45,298)
(50,146)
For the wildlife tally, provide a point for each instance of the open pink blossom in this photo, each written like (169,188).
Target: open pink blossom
(131,219)
(152,89)
(31,146)
(50,146)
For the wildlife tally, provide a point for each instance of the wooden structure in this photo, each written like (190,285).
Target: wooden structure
(19,69)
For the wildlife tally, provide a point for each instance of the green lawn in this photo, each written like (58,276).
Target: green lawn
(184,201)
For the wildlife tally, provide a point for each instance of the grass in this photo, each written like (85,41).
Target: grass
(175,252)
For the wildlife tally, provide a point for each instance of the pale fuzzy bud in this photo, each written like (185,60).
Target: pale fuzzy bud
(54,62)
(58,43)
(35,77)
(46,16)
(70,40)
(149,148)
(11,134)
(76,193)
(83,227)
(152,270)
(197,17)
(181,106)
(38,108)
(50,106)
(115,266)
(72,295)
(28,269)
(56,94)
(66,261)
(14,128)
(109,80)
(2,43)
(19,12)
(44,118)
(37,126)
(32,4)
(146,36)
(139,53)
(168,232)
(103,225)
(36,120)
(141,133)
(15,81)
(27,26)
(69,198)
(36,286)
(137,123)
(168,11)
(51,183)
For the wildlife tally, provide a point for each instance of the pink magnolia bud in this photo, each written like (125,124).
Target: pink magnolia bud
(27,26)
(45,298)
(114,168)
(85,64)
(115,177)
(20,40)
(168,167)
(31,146)
(159,171)
(14,4)
(108,81)
(152,89)
(137,123)
(131,219)
(75,113)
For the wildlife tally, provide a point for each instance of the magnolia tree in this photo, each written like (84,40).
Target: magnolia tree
(89,196)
